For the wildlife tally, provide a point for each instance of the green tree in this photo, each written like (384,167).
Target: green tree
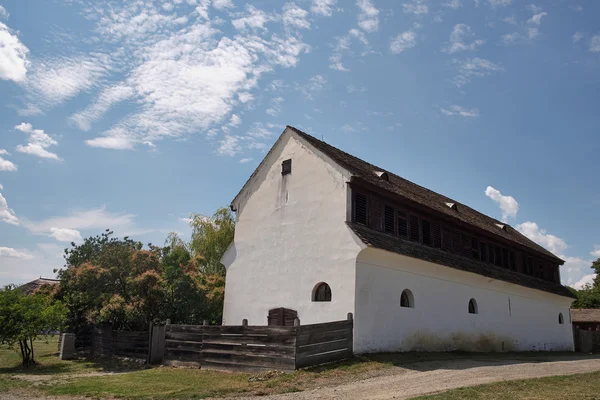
(589,296)
(210,239)
(24,317)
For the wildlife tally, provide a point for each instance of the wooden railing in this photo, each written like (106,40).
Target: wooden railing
(257,347)
(242,347)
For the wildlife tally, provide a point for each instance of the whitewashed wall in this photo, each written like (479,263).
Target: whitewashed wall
(290,235)
(440,320)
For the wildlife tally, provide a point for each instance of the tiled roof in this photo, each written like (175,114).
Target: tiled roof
(30,287)
(423,196)
(383,241)
(585,314)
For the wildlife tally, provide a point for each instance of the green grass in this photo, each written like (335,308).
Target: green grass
(81,377)
(583,386)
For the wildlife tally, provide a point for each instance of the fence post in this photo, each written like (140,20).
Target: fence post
(296,321)
(350,317)
(205,322)
(156,352)
(244,322)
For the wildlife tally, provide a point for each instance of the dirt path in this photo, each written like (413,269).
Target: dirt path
(432,377)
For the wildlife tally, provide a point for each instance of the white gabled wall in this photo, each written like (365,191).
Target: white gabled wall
(440,320)
(290,235)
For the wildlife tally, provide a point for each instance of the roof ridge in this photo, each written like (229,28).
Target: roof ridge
(417,193)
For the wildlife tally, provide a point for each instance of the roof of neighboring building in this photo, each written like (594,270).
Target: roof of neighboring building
(30,287)
(383,241)
(585,314)
(423,196)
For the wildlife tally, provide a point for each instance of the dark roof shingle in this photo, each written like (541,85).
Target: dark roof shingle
(31,287)
(383,241)
(423,196)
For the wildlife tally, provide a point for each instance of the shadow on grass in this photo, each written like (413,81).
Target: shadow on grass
(50,364)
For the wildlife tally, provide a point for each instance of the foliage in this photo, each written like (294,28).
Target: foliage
(589,295)
(24,317)
(210,239)
(108,280)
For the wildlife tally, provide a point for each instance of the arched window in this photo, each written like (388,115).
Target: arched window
(407,299)
(473,307)
(321,292)
(560,318)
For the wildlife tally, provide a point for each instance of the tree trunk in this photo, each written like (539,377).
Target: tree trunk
(32,354)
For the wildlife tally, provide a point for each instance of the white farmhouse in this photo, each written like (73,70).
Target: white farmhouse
(321,233)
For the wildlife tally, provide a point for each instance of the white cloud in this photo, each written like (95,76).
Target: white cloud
(6,214)
(474,68)
(313,86)
(38,142)
(275,107)
(501,3)
(68,228)
(3,12)
(512,20)
(13,56)
(254,19)
(508,204)
(55,80)
(596,252)
(454,4)
(3,152)
(403,41)
(553,243)
(107,98)
(532,33)
(584,281)
(457,37)
(66,235)
(456,110)
(245,160)
(235,120)
(343,46)
(537,18)
(510,38)
(189,78)
(415,7)
(114,142)
(229,146)
(368,17)
(595,44)
(355,89)
(577,36)
(6,165)
(222,4)
(323,7)
(294,16)
(9,252)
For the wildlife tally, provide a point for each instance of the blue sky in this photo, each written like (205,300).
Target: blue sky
(132,115)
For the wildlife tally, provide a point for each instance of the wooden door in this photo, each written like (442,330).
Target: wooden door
(282,317)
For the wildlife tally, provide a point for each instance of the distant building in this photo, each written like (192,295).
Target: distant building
(320,233)
(31,287)
(586,318)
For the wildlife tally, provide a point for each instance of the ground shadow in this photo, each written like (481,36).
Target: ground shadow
(422,362)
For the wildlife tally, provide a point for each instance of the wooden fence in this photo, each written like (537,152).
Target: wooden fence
(586,341)
(243,347)
(106,343)
(257,347)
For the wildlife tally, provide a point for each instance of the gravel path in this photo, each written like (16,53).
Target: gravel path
(432,377)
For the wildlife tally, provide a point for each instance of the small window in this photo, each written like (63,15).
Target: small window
(560,318)
(389,220)
(426,228)
(402,224)
(498,258)
(437,234)
(321,292)
(360,208)
(406,299)
(483,251)
(473,307)
(414,228)
(475,248)
(286,167)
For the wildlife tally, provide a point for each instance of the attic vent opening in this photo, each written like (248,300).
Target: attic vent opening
(286,167)
(382,175)
(501,226)
(452,206)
